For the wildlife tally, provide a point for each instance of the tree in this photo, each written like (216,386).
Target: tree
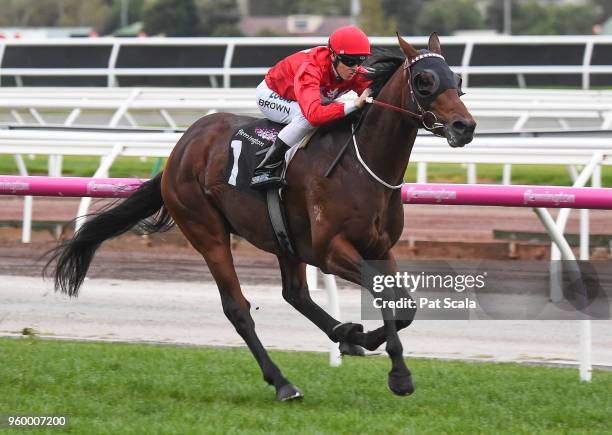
(373,21)
(219,18)
(494,15)
(29,13)
(75,13)
(574,19)
(53,13)
(113,21)
(602,9)
(534,18)
(405,13)
(447,16)
(170,17)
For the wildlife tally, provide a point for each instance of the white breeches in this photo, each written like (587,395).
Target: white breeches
(278,109)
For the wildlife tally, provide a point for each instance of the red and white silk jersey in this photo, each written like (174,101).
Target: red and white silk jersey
(308,77)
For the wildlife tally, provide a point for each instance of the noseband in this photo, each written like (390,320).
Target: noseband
(426,118)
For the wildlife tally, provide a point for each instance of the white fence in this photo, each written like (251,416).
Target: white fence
(229,59)
(428,149)
(176,107)
(591,153)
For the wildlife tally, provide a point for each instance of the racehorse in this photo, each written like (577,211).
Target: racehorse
(342,209)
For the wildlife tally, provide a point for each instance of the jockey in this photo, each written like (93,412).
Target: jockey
(301,91)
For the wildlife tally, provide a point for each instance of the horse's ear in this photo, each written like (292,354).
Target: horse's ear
(434,43)
(409,50)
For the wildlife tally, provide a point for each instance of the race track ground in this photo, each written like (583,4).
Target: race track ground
(189,312)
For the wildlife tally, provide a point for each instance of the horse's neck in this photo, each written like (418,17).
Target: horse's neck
(386,138)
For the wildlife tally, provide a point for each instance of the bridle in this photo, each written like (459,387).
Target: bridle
(426,118)
(420,115)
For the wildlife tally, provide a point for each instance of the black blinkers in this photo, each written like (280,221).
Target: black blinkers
(431,76)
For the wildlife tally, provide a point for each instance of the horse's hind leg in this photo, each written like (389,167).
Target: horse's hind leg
(211,239)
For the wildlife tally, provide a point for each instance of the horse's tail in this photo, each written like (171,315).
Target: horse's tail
(74,256)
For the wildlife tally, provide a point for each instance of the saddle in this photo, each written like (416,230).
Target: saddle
(248,146)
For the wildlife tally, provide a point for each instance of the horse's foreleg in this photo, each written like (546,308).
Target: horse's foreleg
(296,292)
(404,316)
(344,260)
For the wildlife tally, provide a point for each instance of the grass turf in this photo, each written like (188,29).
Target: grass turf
(552,175)
(128,388)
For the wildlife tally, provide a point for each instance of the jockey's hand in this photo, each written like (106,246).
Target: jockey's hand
(361,100)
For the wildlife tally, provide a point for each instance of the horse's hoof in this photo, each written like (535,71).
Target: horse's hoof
(400,385)
(288,392)
(343,331)
(351,349)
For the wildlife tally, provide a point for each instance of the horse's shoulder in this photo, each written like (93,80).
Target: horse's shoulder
(342,126)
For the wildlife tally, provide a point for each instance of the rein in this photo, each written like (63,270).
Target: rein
(371,100)
(421,117)
(426,118)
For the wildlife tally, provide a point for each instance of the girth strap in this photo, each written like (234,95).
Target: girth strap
(278,220)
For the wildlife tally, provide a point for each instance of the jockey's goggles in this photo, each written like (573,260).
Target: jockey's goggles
(351,60)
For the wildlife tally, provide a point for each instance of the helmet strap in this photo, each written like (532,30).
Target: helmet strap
(335,61)
(335,69)
(336,58)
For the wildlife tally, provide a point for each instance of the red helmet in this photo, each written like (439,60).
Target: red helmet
(349,40)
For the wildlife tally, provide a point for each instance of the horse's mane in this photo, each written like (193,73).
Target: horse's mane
(381,66)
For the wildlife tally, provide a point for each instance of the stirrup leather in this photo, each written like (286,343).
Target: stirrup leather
(265,179)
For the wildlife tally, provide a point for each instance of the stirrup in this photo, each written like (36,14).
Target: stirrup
(267,179)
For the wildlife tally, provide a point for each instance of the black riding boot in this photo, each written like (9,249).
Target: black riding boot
(263,174)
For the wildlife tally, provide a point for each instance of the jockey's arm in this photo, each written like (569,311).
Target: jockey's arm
(307,87)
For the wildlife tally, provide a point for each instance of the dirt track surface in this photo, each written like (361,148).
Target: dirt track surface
(190,313)
(141,263)
(423,222)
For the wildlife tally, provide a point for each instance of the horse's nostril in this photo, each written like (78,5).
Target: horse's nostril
(462,126)
(459,126)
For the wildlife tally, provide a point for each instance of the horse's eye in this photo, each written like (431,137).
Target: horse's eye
(425,84)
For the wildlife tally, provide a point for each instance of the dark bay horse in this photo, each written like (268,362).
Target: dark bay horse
(336,222)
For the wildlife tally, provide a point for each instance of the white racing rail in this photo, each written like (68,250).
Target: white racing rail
(474,58)
(174,107)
